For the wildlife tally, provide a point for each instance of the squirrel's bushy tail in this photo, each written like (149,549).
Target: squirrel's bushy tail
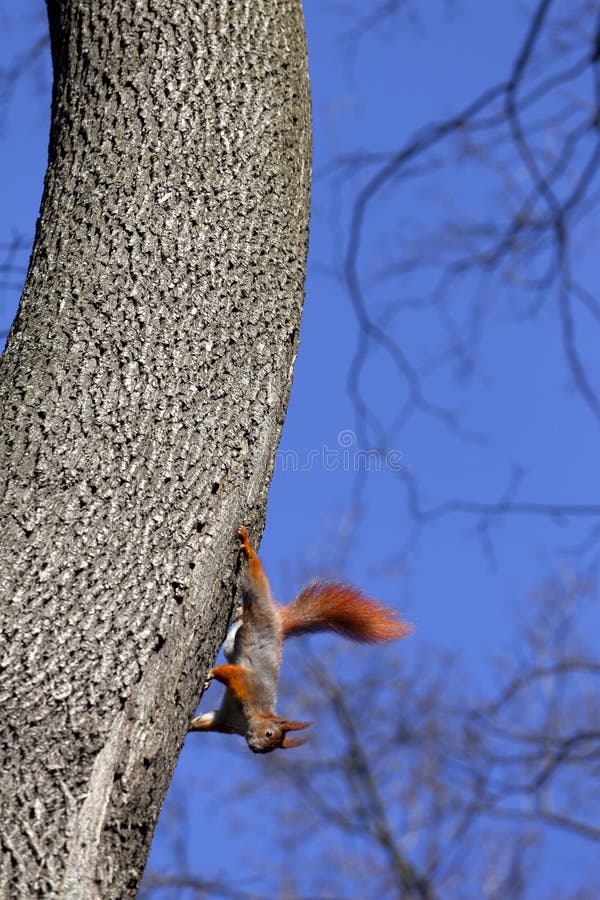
(333,606)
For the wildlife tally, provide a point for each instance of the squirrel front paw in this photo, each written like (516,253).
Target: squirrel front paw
(208,680)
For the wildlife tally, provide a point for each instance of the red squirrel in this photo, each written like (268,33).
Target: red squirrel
(253,649)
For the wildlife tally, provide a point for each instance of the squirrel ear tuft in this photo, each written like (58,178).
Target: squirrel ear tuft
(289,742)
(290,725)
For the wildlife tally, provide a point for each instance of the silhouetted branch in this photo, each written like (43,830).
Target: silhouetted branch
(21,65)
(545,195)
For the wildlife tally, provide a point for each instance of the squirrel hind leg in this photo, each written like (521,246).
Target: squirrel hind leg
(229,643)
(245,545)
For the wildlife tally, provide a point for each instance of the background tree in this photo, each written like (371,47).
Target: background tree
(508,244)
(143,391)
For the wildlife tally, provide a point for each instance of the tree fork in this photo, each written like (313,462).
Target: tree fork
(143,391)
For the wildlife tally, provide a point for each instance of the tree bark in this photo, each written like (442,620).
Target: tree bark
(143,391)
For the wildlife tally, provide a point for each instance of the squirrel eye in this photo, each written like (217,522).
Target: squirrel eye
(268,733)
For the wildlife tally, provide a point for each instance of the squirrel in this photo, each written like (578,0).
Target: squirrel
(253,649)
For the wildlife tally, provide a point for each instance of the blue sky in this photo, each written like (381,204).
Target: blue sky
(371,95)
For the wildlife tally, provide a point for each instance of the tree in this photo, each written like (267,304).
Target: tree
(509,244)
(143,391)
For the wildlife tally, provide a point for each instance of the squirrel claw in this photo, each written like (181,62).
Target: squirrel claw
(208,680)
(246,546)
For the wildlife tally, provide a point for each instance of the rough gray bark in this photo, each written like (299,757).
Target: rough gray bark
(143,392)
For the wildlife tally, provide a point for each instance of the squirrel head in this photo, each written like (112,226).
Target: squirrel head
(267,733)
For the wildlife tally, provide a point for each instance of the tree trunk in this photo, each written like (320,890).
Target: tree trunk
(143,392)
